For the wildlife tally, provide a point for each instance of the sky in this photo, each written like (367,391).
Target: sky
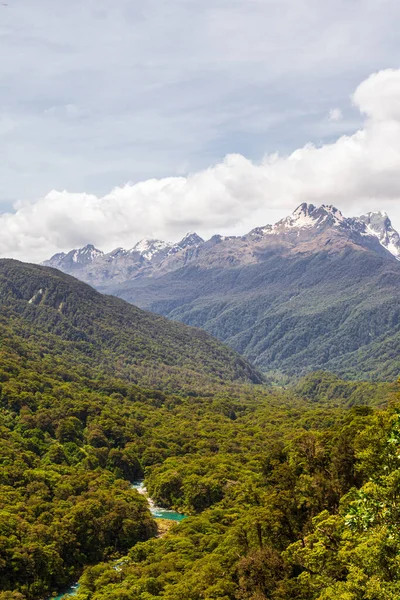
(124,119)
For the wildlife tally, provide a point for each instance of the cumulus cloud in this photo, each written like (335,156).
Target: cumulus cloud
(357,172)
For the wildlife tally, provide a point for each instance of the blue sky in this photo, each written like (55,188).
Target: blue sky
(99,93)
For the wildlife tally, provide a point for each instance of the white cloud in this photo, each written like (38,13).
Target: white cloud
(335,114)
(357,172)
(379,96)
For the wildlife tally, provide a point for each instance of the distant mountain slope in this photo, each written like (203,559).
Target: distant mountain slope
(95,267)
(339,312)
(68,317)
(314,291)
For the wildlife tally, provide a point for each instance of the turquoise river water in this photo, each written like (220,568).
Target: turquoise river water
(158,513)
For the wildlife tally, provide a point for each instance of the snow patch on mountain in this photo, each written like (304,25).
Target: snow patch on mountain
(300,218)
(86,254)
(308,215)
(305,216)
(149,248)
(190,241)
(379,225)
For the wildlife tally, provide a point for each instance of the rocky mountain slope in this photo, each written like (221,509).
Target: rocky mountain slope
(97,268)
(69,319)
(380,225)
(300,232)
(315,290)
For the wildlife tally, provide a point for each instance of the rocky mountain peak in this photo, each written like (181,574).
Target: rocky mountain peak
(148,248)
(78,257)
(85,255)
(308,215)
(59,256)
(379,224)
(117,253)
(191,239)
(305,217)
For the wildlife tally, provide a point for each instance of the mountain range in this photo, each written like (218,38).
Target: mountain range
(150,257)
(316,290)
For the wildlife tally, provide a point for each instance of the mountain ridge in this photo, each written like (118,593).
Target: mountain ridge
(315,291)
(149,253)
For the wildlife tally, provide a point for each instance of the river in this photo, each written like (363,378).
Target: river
(158,513)
(70,592)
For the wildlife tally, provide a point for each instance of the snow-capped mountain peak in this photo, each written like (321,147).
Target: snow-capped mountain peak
(77,258)
(189,242)
(86,254)
(308,215)
(379,225)
(149,248)
(302,216)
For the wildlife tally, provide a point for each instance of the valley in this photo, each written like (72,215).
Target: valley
(96,393)
(157,512)
(314,291)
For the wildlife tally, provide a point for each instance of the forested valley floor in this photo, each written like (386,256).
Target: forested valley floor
(290,494)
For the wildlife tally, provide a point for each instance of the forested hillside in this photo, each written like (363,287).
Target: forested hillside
(67,318)
(335,311)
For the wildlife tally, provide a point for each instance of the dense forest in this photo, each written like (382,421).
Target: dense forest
(69,320)
(289,493)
